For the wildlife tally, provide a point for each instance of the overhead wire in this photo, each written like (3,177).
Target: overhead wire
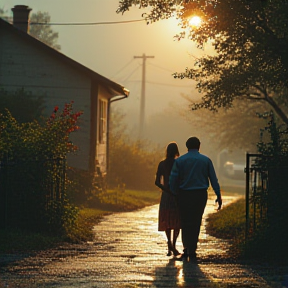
(148,82)
(163,84)
(130,74)
(86,23)
(122,68)
(160,67)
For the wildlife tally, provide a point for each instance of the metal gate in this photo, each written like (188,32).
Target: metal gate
(256,194)
(28,189)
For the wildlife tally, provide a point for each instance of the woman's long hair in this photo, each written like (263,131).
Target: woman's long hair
(172,150)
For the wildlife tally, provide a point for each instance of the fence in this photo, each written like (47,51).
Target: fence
(29,191)
(256,194)
(266,194)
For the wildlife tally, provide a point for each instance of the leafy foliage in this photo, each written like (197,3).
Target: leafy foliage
(32,157)
(32,140)
(39,30)
(273,164)
(132,162)
(250,43)
(234,128)
(275,151)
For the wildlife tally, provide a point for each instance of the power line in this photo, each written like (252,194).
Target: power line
(180,86)
(86,23)
(162,84)
(122,68)
(161,67)
(127,77)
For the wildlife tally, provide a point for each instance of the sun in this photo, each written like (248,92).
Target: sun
(195,21)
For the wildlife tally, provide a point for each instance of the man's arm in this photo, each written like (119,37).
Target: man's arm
(215,184)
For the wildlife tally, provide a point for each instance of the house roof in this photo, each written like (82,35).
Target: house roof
(114,88)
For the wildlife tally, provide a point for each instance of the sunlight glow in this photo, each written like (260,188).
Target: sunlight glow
(180,277)
(195,21)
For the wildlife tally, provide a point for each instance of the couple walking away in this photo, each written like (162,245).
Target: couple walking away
(184,181)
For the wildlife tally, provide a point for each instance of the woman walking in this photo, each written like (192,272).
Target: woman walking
(169,219)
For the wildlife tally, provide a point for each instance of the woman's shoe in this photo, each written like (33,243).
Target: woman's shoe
(175,252)
(172,249)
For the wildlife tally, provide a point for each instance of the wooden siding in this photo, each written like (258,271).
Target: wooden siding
(23,65)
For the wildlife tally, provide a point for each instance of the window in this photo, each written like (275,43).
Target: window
(102,121)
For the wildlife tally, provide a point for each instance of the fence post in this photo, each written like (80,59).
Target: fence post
(3,192)
(247,171)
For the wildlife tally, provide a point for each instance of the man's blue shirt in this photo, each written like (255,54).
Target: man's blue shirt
(193,171)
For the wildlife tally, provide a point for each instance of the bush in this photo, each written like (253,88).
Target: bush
(131,162)
(34,172)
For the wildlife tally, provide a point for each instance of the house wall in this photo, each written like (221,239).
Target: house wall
(24,65)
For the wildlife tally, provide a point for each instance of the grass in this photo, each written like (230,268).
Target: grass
(12,241)
(266,245)
(229,222)
(128,200)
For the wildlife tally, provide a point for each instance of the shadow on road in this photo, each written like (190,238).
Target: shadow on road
(180,274)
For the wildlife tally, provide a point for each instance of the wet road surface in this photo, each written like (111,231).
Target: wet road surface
(128,251)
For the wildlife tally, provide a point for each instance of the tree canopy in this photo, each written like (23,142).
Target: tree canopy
(38,29)
(43,32)
(250,40)
(238,128)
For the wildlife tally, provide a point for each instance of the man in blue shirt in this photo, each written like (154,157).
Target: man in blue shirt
(189,181)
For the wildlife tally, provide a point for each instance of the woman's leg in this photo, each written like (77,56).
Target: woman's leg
(175,236)
(169,243)
(168,234)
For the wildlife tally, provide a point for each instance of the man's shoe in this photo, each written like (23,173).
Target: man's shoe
(185,253)
(183,256)
(192,256)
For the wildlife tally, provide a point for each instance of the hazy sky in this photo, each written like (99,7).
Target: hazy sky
(110,49)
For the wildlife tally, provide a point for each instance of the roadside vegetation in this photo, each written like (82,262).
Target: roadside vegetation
(266,237)
(229,223)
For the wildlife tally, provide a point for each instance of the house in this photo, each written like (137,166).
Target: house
(28,63)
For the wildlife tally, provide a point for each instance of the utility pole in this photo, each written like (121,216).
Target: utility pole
(142,102)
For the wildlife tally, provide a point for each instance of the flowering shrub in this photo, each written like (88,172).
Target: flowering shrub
(34,141)
(33,159)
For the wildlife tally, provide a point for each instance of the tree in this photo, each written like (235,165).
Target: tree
(250,40)
(237,128)
(43,32)
(39,30)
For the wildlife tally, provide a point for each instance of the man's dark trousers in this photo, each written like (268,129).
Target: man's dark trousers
(192,204)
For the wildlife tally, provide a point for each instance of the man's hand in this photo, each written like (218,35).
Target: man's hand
(219,200)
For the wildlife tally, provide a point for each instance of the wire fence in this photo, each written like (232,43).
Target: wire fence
(266,195)
(31,191)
